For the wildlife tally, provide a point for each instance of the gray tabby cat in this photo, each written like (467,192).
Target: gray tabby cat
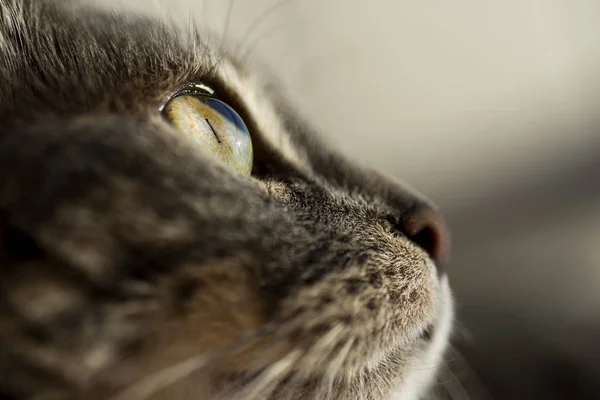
(170,229)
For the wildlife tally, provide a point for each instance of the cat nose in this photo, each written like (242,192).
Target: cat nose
(427,228)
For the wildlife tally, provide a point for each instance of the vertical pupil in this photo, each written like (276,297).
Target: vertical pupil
(213,130)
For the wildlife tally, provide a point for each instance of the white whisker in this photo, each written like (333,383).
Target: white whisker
(180,370)
(453,386)
(318,352)
(270,377)
(252,45)
(476,386)
(254,25)
(162,379)
(226,24)
(335,366)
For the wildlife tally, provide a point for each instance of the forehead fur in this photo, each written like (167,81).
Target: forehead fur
(57,54)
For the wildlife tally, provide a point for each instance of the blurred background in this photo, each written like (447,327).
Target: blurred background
(491,110)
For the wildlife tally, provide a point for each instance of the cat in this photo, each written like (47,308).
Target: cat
(171,228)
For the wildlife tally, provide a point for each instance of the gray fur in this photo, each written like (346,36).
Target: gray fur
(133,265)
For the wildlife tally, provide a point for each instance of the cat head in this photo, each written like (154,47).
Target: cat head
(138,262)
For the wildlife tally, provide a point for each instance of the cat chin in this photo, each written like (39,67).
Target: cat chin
(424,369)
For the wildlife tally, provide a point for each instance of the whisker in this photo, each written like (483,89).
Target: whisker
(318,353)
(461,333)
(273,354)
(254,25)
(339,360)
(476,386)
(226,24)
(454,377)
(335,366)
(453,386)
(299,359)
(269,379)
(252,45)
(162,379)
(168,376)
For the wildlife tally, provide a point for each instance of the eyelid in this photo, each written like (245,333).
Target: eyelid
(188,88)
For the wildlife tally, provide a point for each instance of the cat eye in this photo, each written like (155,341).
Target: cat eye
(214,125)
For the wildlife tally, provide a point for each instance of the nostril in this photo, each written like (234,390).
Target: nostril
(427,239)
(427,228)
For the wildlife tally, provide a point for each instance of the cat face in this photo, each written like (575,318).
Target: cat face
(135,264)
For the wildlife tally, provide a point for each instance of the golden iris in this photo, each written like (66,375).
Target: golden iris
(215,126)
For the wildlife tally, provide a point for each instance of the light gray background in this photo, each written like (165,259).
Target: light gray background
(490,108)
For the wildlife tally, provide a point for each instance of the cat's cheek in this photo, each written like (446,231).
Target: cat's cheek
(206,310)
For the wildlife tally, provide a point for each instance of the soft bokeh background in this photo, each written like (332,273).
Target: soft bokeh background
(491,109)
